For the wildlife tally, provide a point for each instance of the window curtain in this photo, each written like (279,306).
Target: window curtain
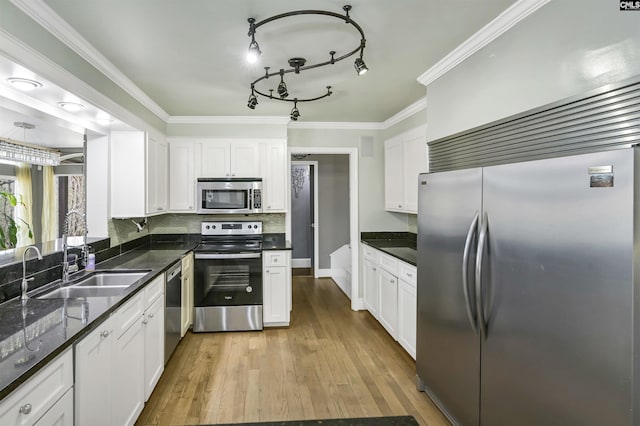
(23,212)
(49,208)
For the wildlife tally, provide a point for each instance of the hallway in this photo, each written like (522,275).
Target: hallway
(331,363)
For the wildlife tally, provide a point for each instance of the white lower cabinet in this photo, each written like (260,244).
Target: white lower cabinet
(118,364)
(388,315)
(370,276)
(390,294)
(186,314)
(276,288)
(41,399)
(153,322)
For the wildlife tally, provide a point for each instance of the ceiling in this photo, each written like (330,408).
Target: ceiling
(188,57)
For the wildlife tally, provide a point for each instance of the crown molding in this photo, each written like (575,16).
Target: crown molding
(419,105)
(41,13)
(502,23)
(335,125)
(220,119)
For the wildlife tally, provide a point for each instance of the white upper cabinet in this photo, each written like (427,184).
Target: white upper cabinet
(274,176)
(405,157)
(184,168)
(230,158)
(139,174)
(157,176)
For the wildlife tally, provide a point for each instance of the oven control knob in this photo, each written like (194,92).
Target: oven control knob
(208,227)
(255,226)
(249,289)
(214,227)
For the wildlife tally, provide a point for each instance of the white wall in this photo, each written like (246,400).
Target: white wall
(372,215)
(563,49)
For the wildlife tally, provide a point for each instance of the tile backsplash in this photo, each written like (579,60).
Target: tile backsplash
(190,223)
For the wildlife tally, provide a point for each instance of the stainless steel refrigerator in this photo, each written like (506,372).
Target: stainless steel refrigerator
(528,291)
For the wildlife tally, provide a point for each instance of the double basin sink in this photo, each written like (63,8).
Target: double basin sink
(95,284)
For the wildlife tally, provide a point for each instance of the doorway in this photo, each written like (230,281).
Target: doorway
(351,204)
(304,217)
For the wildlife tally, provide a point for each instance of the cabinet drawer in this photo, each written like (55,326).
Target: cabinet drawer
(370,253)
(38,394)
(153,290)
(275,258)
(389,263)
(407,273)
(128,314)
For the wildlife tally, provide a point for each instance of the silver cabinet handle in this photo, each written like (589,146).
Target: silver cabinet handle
(482,241)
(25,409)
(150,315)
(409,275)
(392,281)
(465,271)
(145,322)
(399,206)
(104,334)
(375,269)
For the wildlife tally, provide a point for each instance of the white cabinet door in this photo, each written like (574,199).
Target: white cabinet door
(407,311)
(153,345)
(184,168)
(371,286)
(157,168)
(128,174)
(274,176)
(216,159)
(414,162)
(187,293)
(276,288)
(93,378)
(245,158)
(127,372)
(406,156)
(388,297)
(393,174)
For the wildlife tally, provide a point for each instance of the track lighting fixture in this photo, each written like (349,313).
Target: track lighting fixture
(298,64)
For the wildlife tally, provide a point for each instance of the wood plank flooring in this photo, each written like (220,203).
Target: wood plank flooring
(330,363)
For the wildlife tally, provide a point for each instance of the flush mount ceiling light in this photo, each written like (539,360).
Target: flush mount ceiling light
(298,64)
(71,106)
(24,83)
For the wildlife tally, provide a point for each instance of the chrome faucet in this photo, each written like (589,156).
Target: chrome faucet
(66,267)
(25,280)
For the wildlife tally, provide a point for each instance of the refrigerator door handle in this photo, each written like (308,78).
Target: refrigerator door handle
(482,242)
(465,271)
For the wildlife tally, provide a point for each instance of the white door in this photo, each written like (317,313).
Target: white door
(153,345)
(216,159)
(371,287)
(388,301)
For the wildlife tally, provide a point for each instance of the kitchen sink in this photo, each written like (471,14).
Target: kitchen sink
(96,284)
(111,279)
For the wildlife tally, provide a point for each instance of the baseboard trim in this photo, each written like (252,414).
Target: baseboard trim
(301,263)
(323,273)
(358,305)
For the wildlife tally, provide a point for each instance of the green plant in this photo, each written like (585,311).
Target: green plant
(9,227)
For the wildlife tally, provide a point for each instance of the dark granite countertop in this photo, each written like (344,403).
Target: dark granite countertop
(275,242)
(401,245)
(53,325)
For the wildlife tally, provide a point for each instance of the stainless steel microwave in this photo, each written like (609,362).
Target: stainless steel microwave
(229,196)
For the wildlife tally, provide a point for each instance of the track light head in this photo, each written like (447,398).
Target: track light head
(360,66)
(282,87)
(295,113)
(252,102)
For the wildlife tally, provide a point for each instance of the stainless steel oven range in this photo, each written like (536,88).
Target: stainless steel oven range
(228,277)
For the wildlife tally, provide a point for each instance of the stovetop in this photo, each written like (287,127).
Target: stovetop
(230,237)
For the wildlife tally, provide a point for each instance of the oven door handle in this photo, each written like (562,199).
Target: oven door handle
(228,255)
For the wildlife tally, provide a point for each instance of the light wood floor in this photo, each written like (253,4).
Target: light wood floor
(330,363)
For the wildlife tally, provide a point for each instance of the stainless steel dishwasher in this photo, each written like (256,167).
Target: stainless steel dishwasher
(173,307)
